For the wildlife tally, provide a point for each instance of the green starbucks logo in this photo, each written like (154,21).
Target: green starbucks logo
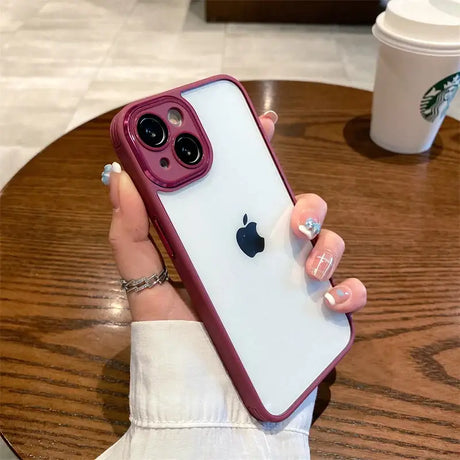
(436,100)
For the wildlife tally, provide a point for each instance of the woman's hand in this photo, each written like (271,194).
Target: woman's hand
(136,256)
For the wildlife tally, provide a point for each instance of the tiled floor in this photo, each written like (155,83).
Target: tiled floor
(64,62)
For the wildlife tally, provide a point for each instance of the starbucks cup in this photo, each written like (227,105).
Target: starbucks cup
(418,72)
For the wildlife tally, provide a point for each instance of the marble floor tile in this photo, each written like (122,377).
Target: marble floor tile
(139,47)
(112,79)
(133,70)
(31,126)
(108,25)
(289,46)
(58,45)
(21,67)
(181,66)
(200,44)
(9,24)
(126,76)
(158,16)
(86,9)
(5,37)
(296,53)
(46,92)
(13,13)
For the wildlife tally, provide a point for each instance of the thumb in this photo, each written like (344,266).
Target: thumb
(136,256)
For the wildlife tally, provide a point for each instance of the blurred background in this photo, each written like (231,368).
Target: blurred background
(64,62)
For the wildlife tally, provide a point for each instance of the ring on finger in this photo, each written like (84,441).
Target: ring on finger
(137,285)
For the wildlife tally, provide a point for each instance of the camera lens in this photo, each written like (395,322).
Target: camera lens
(152,130)
(188,149)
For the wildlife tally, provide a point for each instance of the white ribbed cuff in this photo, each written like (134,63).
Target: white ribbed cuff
(178,381)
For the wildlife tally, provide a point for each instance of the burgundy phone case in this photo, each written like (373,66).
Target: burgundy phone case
(127,148)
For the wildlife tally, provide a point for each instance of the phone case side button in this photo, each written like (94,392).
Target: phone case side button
(163,238)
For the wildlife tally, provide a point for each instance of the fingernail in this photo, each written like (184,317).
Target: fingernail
(311,228)
(322,265)
(108,169)
(337,295)
(272,115)
(105,175)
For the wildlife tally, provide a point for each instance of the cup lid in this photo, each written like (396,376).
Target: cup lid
(421,26)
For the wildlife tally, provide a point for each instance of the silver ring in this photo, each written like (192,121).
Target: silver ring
(146,282)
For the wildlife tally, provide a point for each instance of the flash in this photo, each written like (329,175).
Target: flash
(174,117)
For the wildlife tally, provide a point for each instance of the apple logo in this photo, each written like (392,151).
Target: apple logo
(248,239)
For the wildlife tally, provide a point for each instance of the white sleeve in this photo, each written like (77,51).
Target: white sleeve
(184,406)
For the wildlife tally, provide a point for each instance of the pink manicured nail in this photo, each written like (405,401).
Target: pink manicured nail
(108,169)
(322,265)
(337,295)
(272,115)
(311,228)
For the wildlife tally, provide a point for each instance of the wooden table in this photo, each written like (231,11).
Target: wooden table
(65,323)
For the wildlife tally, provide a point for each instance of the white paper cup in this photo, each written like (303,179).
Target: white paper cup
(418,72)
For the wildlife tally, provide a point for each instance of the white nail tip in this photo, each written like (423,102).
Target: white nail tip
(272,115)
(306,231)
(330,299)
(116,168)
